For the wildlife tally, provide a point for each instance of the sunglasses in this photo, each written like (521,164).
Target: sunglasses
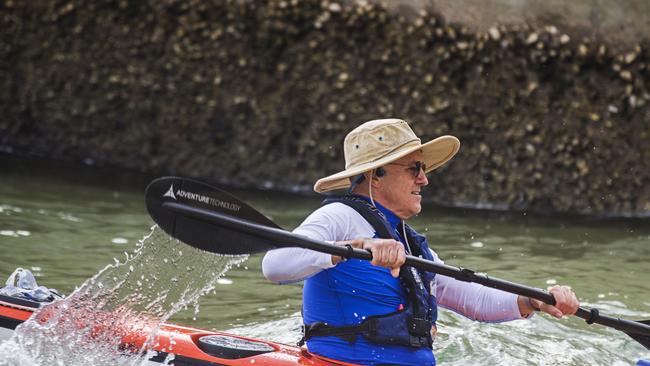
(414,168)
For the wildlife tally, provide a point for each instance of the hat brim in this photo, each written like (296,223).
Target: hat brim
(435,153)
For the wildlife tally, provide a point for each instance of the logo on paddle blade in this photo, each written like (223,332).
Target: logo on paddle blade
(212,201)
(170,192)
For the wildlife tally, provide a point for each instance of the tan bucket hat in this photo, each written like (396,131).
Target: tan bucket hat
(382,141)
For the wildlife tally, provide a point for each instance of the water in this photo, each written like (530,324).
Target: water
(67,223)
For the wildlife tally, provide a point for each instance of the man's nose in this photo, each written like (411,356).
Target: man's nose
(422,178)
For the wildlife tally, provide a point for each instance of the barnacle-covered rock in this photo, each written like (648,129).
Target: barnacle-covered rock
(261,93)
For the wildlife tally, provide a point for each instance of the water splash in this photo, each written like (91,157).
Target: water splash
(113,318)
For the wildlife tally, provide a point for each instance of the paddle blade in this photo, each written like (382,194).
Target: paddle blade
(643,339)
(200,233)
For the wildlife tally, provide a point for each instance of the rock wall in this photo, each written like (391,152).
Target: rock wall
(261,94)
(618,23)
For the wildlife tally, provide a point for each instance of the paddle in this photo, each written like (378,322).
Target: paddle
(210,219)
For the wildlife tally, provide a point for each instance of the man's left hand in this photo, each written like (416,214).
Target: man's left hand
(566,302)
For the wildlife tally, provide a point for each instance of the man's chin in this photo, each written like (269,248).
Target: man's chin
(416,210)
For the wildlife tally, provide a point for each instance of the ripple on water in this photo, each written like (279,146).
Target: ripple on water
(15,233)
(9,209)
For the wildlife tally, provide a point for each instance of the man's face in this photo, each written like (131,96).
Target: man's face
(399,189)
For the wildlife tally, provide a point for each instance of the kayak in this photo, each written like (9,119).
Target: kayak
(190,346)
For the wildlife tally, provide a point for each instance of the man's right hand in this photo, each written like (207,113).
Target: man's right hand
(387,253)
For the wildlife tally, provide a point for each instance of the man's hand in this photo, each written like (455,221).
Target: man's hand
(387,253)
(566,303)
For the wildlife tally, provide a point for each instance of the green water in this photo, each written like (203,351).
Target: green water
(65,223)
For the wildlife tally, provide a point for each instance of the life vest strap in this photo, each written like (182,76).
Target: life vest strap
(347,333)
(419,331)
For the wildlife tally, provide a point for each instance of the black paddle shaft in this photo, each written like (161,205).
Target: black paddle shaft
(282,238)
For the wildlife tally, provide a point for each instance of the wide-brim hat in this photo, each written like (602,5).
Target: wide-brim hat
(379,142)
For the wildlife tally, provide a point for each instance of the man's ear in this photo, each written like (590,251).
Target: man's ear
(375,177)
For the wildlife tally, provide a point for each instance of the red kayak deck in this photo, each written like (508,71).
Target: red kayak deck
(183,343)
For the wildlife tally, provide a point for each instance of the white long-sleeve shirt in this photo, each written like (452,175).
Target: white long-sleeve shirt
(338,222)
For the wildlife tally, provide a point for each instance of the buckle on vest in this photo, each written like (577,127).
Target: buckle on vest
(419,327)
(370,326)
(417,341)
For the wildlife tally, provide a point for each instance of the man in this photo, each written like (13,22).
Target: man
(378,312)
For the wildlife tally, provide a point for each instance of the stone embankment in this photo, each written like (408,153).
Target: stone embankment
(261,93)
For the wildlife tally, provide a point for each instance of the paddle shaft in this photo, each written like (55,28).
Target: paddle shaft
(283,238)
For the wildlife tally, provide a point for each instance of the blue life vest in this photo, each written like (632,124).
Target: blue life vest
(410,326)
